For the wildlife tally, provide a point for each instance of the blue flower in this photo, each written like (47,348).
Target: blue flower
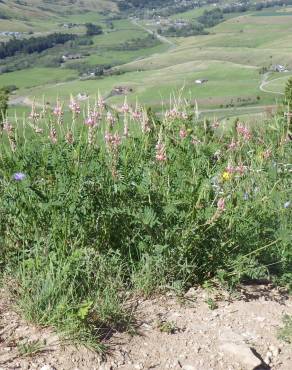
(287,204)
(19,176)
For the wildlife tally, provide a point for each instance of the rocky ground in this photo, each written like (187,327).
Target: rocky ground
(202,331)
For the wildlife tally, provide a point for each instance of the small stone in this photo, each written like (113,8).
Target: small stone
(268,358)
(47,367)
(275,350)
(188,367)
(243,354)
(191,293)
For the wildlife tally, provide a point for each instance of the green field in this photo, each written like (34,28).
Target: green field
(229,57)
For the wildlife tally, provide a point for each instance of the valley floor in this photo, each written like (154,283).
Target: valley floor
(241,333)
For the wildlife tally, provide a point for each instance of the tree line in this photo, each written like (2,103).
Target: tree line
(33,44)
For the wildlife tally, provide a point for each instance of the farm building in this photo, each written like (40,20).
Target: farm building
(201,81)
(279,68)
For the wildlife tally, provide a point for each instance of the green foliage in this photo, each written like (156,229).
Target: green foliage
(99,215)
(288,93)
(93,29)
(285,333)
(33,44)
(30,348)
(4,98)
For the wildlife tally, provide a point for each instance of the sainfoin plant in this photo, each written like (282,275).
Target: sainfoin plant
(98,205)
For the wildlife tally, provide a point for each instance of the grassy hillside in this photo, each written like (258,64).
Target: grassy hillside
(41,8)
(230,57)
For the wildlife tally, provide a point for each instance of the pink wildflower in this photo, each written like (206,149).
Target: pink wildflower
(267,153)
(7,127)
(136,115)
(230,169)
(145,124)
(53,136)
(90,121)
(125,108)
(183,133)
(110,119)
(240,169)
(244,131)
(221,204)
(113,141)
(160,152)
(74,107)
(34,115)
(101,103)
(216,124)
(58,112)
(233,145)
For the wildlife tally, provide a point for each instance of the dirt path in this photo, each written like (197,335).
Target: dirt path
(201,331)
(265,82)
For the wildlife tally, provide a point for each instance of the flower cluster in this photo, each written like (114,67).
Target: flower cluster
(113,141)
(74,107)
(175,114)
(244,131)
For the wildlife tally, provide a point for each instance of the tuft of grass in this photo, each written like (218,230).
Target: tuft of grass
(168,327)
(211,304)
(285,333)
(31,348)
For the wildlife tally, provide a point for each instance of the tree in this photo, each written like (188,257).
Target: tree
(93,29)
(288,93)
(4,97)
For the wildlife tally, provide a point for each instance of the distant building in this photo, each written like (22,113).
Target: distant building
(201,81)
(71,57)
(279,68)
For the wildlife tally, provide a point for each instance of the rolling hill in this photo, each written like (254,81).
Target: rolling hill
(41,8)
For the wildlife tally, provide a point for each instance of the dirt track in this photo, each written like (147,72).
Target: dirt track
(241,333)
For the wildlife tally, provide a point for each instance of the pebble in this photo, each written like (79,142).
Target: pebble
(188,367)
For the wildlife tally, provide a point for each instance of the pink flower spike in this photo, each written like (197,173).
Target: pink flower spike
(160,152)
(267,153)
(216,124)
(232,145)
(230,169)
(58,111)
(90,121)
(221,204)
(74,107)
(183,133)
(240,169)
(101,103)
(125,108)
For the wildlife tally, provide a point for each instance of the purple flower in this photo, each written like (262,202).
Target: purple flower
(19,176)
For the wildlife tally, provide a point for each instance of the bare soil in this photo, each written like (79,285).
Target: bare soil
(203,330)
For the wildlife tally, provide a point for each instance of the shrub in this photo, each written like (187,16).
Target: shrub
(94,208)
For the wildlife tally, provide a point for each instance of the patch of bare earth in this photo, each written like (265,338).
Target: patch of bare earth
(202,331)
